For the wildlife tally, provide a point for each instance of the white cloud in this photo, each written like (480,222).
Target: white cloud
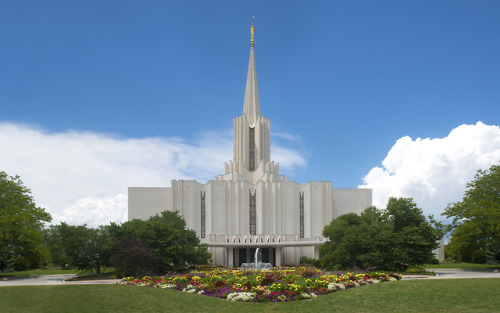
(82,177)
(286,136)
(289,158)
(434,172)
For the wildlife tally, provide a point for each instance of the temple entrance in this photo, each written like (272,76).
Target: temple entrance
(242,253)
(247,255)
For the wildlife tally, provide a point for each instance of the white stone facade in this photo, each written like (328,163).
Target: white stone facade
(251,205)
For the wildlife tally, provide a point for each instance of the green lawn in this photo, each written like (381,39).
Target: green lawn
(105,272)
(108,271)
(450,295)
(39,272)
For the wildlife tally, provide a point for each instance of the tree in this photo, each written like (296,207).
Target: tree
(475,229)
(178,248)
(415,236)
(393,239)
(357,241)
(21,225)
(133,256)
(80,246)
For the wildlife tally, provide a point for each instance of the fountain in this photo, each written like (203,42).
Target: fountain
(258,264)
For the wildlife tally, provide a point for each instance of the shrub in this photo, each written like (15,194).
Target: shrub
(418,270)
(133,256)
(309,261)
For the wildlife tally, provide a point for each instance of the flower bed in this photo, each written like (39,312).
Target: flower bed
(284,284)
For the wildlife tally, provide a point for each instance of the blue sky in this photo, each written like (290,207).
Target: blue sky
(341,81)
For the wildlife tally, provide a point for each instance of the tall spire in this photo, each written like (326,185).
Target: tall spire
(251,105)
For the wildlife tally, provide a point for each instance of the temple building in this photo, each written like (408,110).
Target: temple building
(251,205)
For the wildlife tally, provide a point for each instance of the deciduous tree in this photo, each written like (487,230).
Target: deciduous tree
(178,248)
(80,246)
(475,230)
(21,225)
(392,239)
(133,256)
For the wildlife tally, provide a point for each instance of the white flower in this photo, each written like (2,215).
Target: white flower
(335,286)
(166,286)
(241,296)
(309,296)
(189,288)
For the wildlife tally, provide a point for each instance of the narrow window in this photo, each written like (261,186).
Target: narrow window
(253,212)
(251,149)
(202,233)
(301,205)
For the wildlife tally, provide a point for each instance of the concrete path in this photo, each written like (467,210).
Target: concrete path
(94,282)
(444,273)
(52,280)
(465,273)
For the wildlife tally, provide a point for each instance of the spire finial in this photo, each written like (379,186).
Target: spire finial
(252,32)
(251,105)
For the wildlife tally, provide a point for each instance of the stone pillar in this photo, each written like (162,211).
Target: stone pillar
(316,252)
(237,256)
(278,256)
(230,259)
(214,256)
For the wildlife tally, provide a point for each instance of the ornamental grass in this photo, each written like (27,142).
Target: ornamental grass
(277,285)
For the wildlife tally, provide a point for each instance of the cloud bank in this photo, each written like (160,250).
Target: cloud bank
(434,172)
(82,177)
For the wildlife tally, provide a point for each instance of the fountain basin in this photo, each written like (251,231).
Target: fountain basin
(258,264)
(259,267)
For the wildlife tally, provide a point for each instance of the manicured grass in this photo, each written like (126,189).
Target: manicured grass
(39,272)
(105,272)
(461,265)
(450,295)
(418,270)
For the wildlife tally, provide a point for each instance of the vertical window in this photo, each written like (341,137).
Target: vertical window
(253,212)
(202,232)
(251,149)
(301,208)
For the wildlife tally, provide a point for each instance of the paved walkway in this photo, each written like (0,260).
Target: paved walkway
(442,273)
(52,280)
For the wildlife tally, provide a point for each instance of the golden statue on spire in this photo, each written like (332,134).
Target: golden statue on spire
(252,32)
